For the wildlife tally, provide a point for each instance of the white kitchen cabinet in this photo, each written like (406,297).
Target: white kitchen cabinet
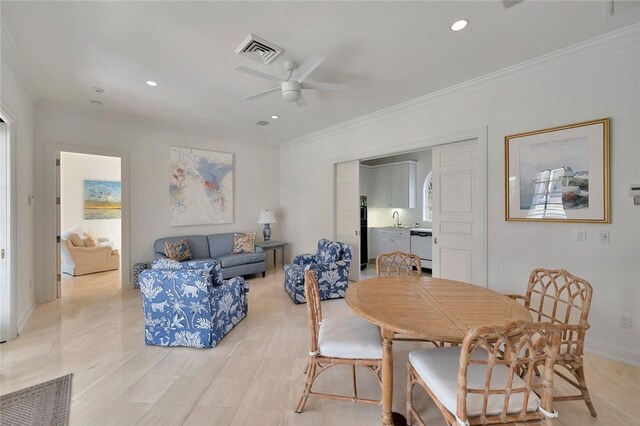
(386,240)
(394,185)
(366,176)
(381,187)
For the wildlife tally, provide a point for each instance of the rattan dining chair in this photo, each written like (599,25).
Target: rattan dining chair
(398,263)
(562,298)
(495,376)
(338,341)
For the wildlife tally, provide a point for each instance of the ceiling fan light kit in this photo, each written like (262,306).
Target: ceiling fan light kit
(292,87)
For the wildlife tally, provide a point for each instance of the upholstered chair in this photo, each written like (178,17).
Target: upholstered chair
(189,304)
(490,379)
(331,263)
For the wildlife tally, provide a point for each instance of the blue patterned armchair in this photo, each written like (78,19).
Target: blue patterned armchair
(331,263)
(189,304)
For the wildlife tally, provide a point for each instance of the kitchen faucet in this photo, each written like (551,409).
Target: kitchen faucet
(396,212)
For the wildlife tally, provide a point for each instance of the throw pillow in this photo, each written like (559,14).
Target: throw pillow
(178,251)
(329,253)
(244,243)
(75,240)
(89,242)
(89,233)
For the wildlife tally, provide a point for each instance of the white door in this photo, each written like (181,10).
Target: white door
(458,228)
(5,291)
(348,211)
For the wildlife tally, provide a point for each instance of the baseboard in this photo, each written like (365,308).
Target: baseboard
(22,321)
(614,353)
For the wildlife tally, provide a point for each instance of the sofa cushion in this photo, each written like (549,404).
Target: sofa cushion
(230,260)
(244,243)
(197,244)
(220,244)
(178,250)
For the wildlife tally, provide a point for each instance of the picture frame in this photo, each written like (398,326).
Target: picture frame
(559,174)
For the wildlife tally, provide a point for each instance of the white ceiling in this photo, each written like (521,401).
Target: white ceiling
(387,52)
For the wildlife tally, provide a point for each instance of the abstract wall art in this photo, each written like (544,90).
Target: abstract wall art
(201,187)
(102,200)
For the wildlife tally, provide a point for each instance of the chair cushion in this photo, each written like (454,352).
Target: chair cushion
(230,260)
(244,243)
(349,337)
(439,367)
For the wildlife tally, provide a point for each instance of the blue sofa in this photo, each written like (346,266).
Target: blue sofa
(331,263)
(218,247)
(190,304)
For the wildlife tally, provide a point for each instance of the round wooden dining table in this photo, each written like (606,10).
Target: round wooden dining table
(428,308)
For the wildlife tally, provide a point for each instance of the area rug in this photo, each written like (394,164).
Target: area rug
(43,404)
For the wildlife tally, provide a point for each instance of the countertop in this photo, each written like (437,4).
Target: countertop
(402,229)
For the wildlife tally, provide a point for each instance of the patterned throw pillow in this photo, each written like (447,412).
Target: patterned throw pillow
(177,251)
(329,253)
(244,243)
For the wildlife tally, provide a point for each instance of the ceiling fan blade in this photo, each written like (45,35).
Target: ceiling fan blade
(301,102)
(259,74)
(324,86)
(302,72)
(263,93)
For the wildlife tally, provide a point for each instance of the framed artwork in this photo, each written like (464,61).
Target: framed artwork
(102,200)
(559,174)
(201,187)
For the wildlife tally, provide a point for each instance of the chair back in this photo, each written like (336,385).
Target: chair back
(520,346)
(313,306)
(332,251)
(398,263)
(561,298)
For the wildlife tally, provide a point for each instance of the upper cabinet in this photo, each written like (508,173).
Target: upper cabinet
(392,185)
(366,177)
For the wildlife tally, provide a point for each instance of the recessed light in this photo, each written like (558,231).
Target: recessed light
(275,117)
(459,25)
(151,83)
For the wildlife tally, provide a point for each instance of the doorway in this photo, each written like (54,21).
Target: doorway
(50,287)
(89,215)
(8,217)
(447,202)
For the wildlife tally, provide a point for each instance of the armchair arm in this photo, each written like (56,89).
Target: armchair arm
(515,297)
(304,259)
(258,249)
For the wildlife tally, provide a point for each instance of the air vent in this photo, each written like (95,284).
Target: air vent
(262,123)
(258,49)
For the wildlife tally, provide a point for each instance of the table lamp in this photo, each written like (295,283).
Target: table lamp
(267,217)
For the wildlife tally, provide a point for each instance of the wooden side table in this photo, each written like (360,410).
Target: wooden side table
(273,246)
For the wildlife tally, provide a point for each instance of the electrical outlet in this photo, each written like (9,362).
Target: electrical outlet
(581,235)
(603,237)
(625,321)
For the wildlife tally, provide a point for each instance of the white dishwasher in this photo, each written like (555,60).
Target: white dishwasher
(421,246)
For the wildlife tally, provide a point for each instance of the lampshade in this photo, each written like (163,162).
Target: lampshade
(267,216)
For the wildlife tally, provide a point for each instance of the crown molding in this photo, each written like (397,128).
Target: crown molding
(598,46)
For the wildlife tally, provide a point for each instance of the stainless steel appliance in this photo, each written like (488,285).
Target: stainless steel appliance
(421,240)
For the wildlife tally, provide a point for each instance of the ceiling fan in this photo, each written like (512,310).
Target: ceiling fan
(292,87)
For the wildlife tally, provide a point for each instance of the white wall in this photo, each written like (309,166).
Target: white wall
(75,169)
(594,80)
(16,99)
(255,173)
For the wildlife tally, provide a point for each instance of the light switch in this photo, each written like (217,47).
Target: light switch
(581,235)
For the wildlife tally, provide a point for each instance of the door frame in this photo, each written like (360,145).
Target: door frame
(50,221)
(480,134)
(12,218)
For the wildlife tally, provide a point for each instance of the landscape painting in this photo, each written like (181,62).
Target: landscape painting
(102,200)
(201,187)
